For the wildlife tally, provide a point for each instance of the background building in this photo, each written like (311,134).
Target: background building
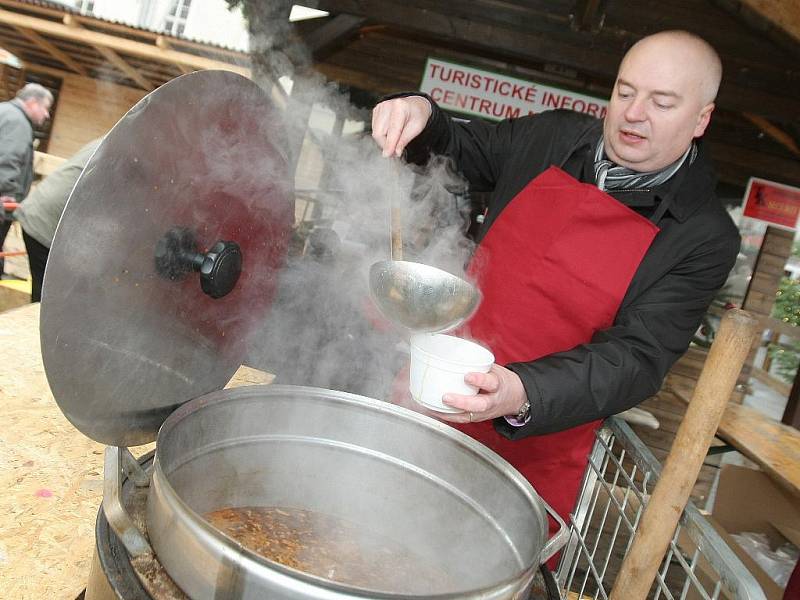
(100,57)
(201,20)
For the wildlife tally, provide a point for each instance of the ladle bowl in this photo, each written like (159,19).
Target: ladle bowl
(420,297)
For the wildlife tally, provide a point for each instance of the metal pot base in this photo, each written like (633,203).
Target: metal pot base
(114,574)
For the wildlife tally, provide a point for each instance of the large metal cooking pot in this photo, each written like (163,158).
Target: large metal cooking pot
(454,503)
(194,178)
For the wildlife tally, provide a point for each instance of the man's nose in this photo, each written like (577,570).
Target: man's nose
(636,110)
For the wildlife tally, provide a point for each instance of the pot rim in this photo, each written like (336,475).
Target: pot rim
(250,391)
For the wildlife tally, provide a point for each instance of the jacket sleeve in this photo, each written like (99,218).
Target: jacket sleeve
(14,144)
(625,364)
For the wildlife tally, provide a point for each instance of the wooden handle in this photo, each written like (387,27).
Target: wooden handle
(396,224)
(397,234)
(736,335)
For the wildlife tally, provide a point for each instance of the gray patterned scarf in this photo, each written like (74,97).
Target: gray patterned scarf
(611,176)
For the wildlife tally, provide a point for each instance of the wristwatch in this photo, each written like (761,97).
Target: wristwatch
(524,412)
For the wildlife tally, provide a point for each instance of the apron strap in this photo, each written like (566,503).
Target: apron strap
(664,205)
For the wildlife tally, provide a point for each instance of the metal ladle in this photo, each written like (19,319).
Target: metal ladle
(416,296)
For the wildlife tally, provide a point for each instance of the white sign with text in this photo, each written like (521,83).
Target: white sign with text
(494,96)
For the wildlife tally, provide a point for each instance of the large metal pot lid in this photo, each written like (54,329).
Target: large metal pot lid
(128,331)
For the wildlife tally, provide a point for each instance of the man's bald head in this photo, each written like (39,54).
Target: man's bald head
(689,52)
(663,99)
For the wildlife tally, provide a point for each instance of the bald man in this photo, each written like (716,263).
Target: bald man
(602,247)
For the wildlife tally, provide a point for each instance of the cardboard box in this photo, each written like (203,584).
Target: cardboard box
(749,501)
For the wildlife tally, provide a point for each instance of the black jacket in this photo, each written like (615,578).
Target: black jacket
(687,263)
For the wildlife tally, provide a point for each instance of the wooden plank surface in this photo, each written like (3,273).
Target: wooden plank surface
(773,446)
(51,475)
(44,164)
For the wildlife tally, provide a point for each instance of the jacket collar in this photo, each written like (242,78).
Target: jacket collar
(692,191)
(690,188)
(16,102)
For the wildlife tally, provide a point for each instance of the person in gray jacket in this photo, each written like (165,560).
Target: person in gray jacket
(40,212)
(30,107)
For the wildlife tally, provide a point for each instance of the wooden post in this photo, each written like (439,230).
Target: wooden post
(327,178)
(725,359)
(791,414)
(769,338)
(297,114)
(768,271)
(764,283)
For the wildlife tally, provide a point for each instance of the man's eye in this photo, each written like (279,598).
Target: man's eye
(663,106)
(624,94)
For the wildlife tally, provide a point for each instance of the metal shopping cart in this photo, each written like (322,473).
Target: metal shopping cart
(620,476)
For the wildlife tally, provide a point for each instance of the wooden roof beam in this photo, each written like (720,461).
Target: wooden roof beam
(118,44)
(588,15)
(484,36)
(322,41)
(121,64)
(164,44)
(114,58)
(781,14)
(40,68)
(778,20)
(52,50)
(143,34)
(776,133)
(752,162)
(109,26)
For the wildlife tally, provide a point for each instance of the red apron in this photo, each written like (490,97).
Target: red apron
(553,268)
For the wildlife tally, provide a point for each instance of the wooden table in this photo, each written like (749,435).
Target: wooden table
(773,446)
(51,475)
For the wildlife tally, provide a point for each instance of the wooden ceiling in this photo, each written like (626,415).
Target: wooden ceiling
(48,37)
(381,46)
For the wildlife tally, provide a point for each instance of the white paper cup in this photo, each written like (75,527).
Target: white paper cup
(438,365)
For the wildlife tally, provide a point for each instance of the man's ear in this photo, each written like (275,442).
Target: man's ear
(703,119)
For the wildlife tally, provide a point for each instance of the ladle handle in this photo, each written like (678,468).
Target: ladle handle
(397,233)
(395,214)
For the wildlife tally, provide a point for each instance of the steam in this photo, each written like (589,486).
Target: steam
(323,329)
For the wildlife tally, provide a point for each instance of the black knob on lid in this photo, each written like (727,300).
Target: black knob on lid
(177,255)
(221,268)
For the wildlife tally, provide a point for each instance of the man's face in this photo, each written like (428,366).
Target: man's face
(656,108)
(38,110)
